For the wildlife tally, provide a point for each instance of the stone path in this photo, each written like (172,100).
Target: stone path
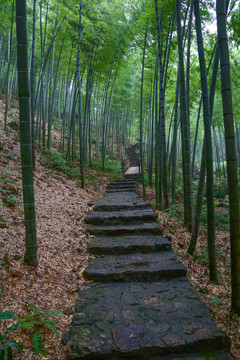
(132,170)
(139,304)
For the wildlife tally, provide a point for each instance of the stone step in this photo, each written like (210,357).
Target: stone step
(129,244)
(132,176)
(129,189)
(124,182)
(119,201)
(122,187)
(120,217)
(135,267)
(216,355)
(143,321)
(116,230)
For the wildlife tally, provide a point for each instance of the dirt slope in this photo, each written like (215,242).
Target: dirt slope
(61,206)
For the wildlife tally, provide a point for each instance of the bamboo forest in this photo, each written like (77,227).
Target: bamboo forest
(119,179)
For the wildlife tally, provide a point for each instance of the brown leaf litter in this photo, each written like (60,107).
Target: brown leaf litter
(61,206)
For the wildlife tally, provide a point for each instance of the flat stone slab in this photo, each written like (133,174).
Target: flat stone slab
(122,188)
(129,189)
(135,267)
(114,230)
(122,185)
(132,170)
(118,201)
(124,182)
(129,244)
(122,216)
(143,321)
(197,356)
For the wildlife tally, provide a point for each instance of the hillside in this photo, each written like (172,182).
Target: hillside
(61,206)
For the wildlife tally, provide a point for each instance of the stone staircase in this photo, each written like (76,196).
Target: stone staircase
(139,304)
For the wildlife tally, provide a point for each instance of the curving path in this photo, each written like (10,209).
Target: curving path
(139,304)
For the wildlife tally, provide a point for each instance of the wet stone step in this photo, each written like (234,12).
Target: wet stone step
(135,267)
(216,355)
(110,191)
(143,321)
(118,201)
(129,244)
(124,182)
(127,184)
(116,230)
(136,177)
(122,216)
(122,187)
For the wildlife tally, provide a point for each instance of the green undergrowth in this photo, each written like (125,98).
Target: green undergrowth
(9,190)
(112,167)
(55,160)
(221,218)
(36,323)
(221,201)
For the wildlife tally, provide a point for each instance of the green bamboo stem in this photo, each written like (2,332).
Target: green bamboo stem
(234,210)
(25,134)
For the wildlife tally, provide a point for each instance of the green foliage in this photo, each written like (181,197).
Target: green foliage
(57,123)
(221,219)
(9,191)
(202,256)
(12,156)
(2,94)
(220,188)
(10,201)
(6,343)
(3,223)
(113,167)
(5,261)
(216,301)
(175,212)
(38,344)
(234,25)
(57,161)
(146,179)
(36,321)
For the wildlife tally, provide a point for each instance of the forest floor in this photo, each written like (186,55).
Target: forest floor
(61,206)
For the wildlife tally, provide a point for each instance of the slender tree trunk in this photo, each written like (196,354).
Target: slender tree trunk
(189,58)
(105,114)
(141,115)
(33,82)
(156,139)
(80,96)
(174,144)
(163,164)
(234,210)
(50,87)
(185,124)
(208,144)
(25,134)
(201,182)
(9,66)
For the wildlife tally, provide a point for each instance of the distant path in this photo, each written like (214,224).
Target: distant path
(132,170)
(139,304)
(133,156)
